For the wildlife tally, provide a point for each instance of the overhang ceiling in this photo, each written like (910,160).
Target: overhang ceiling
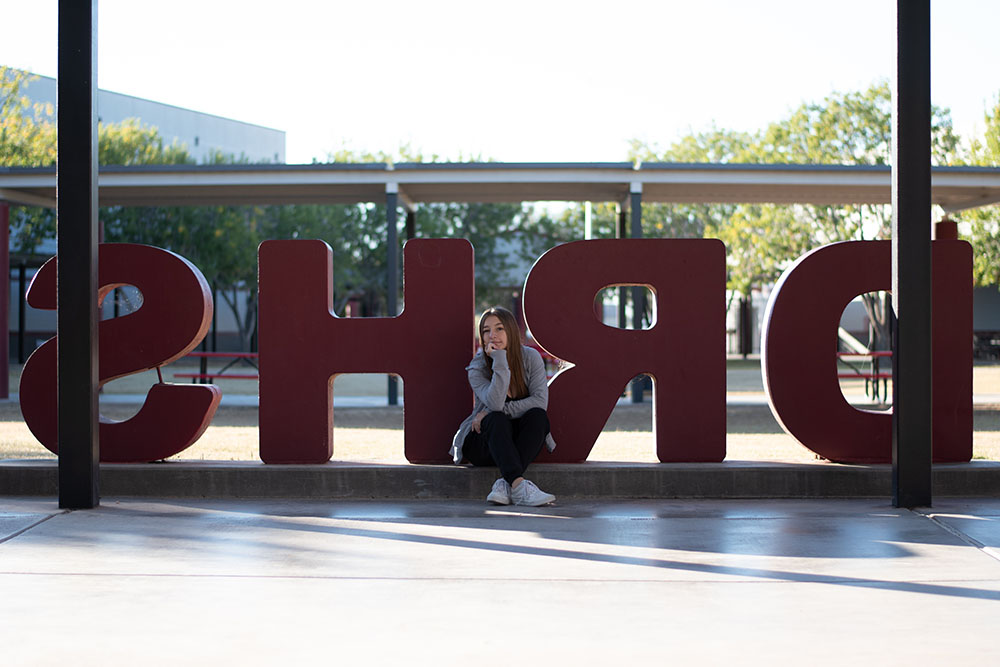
(953,188)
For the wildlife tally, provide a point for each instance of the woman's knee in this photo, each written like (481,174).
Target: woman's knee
(538,416)
(495,418)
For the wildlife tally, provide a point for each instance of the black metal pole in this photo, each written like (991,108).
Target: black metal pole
(622,292)
(5,298)
(638,293)
(215,320)
(911,256)
(22,279)
(746,325)
(392,272)
(76,219)
(411,224)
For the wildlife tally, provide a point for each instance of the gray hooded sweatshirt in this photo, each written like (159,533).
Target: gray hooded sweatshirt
(491,393)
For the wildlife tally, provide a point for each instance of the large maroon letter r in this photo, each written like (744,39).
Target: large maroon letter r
(684,351)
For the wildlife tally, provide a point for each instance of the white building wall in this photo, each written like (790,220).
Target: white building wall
(201,133)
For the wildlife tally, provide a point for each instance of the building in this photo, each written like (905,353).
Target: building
(202,134)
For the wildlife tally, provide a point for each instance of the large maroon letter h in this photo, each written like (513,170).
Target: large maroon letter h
(303,346)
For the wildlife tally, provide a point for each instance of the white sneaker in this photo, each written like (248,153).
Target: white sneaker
(500,495)
(526,493)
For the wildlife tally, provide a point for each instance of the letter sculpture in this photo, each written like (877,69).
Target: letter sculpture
(303,346)
(684,351)
(174,317)
(799,363)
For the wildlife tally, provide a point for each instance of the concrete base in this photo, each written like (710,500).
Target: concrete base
(735,479)
(164,582)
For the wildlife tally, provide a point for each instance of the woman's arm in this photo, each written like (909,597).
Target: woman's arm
(538,388)
(492,392)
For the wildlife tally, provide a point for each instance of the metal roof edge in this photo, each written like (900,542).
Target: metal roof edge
(758,166)
(498,166)
(451,166)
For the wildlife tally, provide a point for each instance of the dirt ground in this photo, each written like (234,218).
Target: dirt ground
(376,434)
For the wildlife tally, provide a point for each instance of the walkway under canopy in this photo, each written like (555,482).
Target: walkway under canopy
(407,184)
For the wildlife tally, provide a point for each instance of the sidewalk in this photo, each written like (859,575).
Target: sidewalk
(250,400)
(831,582)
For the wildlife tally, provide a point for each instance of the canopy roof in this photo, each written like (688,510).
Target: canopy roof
(953,188)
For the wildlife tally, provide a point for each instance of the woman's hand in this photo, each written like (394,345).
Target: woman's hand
(477,423)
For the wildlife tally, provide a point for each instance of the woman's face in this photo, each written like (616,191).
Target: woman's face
(493,333)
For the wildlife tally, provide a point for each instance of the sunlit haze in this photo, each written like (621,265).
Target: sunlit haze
(512,81)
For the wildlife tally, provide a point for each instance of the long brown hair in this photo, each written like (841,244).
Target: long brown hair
(518,386)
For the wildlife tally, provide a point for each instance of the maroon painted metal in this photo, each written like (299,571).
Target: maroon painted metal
(214,355)
(304,346)
(174,317)
(687,278)
(5,297)
(799,341)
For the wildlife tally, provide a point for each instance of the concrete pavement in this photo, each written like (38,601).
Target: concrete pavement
(157,582)
(250,400)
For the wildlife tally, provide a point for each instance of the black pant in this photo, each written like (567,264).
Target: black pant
(510,444)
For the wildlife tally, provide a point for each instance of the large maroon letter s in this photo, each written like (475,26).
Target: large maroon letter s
(303,346)
(684,351)
(800,340)
(174,317)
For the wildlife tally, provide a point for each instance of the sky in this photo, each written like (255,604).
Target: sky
(518,81)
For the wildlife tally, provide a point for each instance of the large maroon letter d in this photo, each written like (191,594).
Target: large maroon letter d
(800,340)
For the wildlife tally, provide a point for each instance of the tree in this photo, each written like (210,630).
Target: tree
(221,241)
(132,143)
(493,229)
(28,139)
(851,128)
(27,135)
(984,222)
(843,128)
(750,260)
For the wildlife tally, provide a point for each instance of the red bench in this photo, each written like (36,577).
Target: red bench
(237,357)
(871,377)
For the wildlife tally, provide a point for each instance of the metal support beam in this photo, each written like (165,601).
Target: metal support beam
(392,270)
(622,232)
(22,309)
(76,215)
(638,293)
(404,200)
(411,224)
(5,298)
(26,198)
(911,256)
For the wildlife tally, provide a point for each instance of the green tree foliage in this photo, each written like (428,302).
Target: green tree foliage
(847,128)
(844,128)
(984,222)
(131,143)
(27,134)
(496,231)
(850,128)
(760,238)
(27,139)
(221,241)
